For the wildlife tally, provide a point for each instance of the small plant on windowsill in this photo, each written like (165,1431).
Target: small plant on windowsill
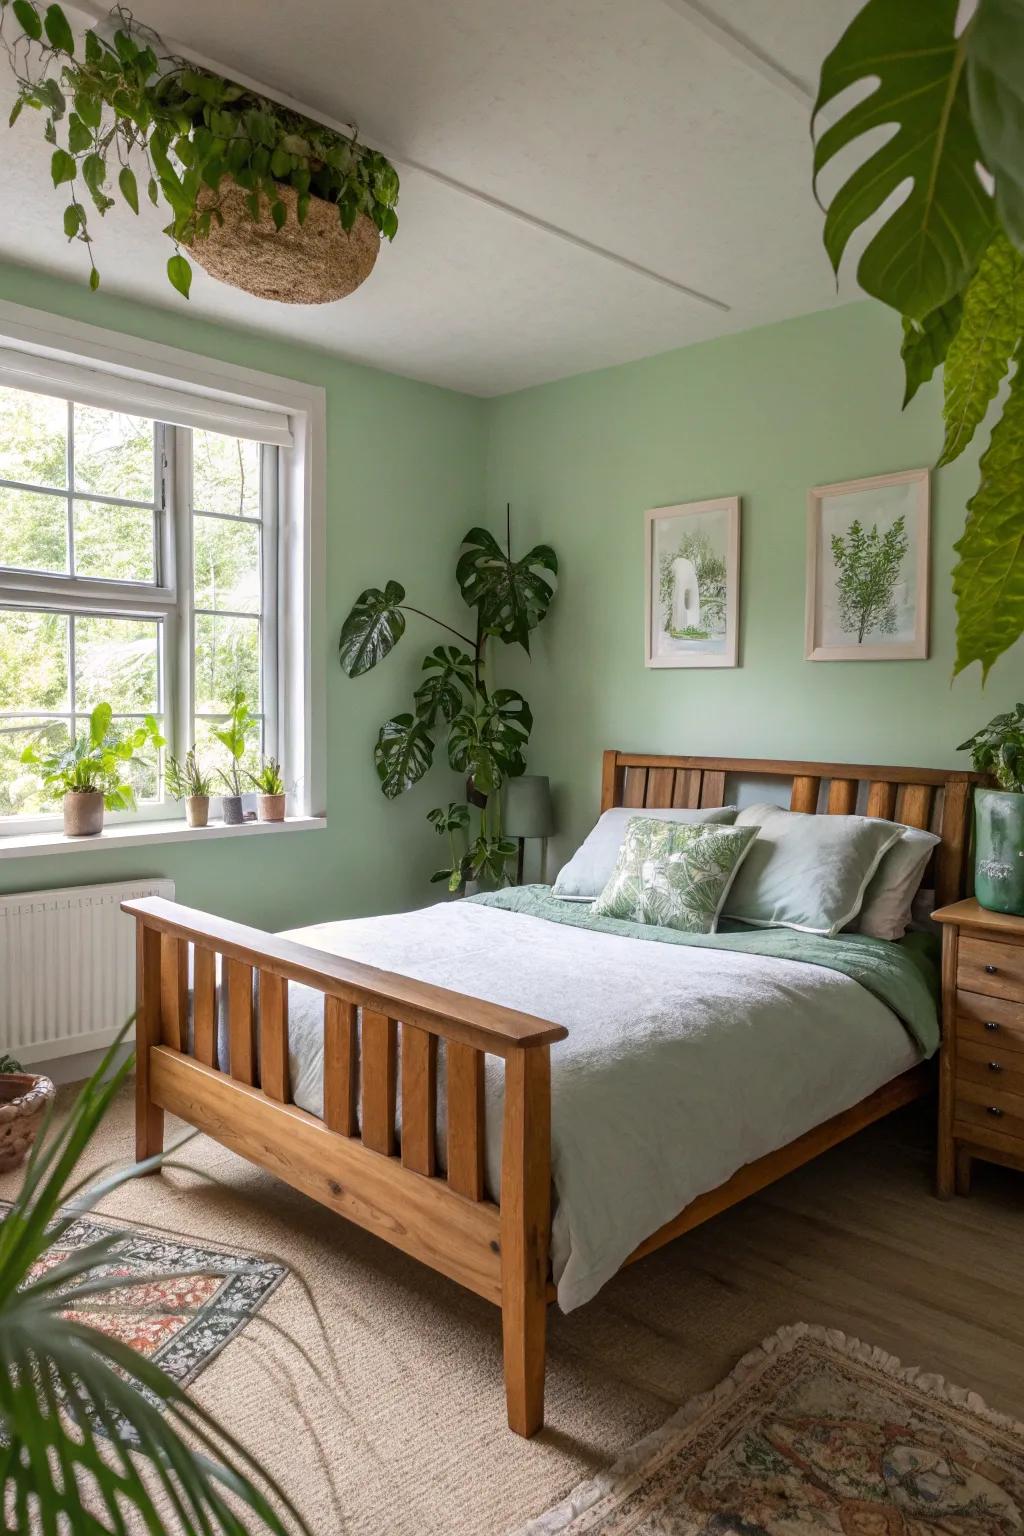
(190,782)
(235,736)
(270,789)
(92,773)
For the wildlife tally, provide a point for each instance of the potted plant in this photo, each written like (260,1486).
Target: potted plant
(998,749)
(25,1098)
(91,773)
(269,785)
(235,736)
(189,782)
(262,197)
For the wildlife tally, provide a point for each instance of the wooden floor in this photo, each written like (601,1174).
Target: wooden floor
(411,1438)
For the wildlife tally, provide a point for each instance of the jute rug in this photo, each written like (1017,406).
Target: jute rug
(813,1433)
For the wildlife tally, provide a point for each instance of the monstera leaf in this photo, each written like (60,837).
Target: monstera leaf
(487,741)
(402,755)
(928,246)
(979,355)
(926,342)
(989,578)
(511,596)
(995,48)
(489,855)
(442,691)
(372,629)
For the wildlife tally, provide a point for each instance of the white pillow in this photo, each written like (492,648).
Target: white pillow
(889,898)
(593,864)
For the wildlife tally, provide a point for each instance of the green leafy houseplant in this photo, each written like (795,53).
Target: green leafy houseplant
(188,132)
(998,750)
(487,730)
(91,1430)
(97,761)
(269,780)
(948,255)
(9,1064)
(188,780)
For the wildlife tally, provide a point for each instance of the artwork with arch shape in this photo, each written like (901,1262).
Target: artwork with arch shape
(692,557)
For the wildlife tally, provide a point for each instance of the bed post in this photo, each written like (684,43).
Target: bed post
(149,1118)
(525,1232)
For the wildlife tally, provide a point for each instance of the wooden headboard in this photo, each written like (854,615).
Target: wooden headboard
(934,799)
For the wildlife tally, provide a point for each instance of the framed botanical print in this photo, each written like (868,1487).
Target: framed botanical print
(867,569)
(691,613)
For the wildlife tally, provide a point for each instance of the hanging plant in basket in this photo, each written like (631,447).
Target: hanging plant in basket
(261,197)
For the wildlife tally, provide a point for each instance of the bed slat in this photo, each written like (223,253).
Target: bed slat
(712,789)
(241,1044)
(419,1099)
(804,794)
(915,809)
(465,1119)
(173,991)
(956,803)
(634,792)
(204,1005)
(340,1066)
(881,799)
(842,797)
(274,1037)
(659,788)
(686,795)
(380,1081)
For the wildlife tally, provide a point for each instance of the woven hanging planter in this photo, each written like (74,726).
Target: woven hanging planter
(314,262)
(24,1099)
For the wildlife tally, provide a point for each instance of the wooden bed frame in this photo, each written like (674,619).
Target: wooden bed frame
(352,1161)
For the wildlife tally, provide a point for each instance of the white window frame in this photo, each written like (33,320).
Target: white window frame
(51,355)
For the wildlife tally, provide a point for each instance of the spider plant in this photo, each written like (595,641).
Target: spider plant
(187,778)
(90,1429)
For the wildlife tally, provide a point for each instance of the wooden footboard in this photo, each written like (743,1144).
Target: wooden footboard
(357,1163)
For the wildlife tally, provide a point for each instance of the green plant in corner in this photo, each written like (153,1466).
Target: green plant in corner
(124,103)
(487,730)
(949,255)
(96,761)
(235,736)
(92,1431)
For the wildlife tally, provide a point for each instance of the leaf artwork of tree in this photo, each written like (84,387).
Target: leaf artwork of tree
(868,563)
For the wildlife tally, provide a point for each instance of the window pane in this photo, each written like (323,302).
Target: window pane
(227,656)
(227,565)
(21,786)
(33,438)
(33,661)
(225,475)
(113,454)
(115,543)
(214,756)
(116,663)
(33,531)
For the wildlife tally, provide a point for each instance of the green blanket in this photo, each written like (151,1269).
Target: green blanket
(902,975)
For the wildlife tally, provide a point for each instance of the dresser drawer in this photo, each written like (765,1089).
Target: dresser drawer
(986,1063)
(978,1104)
(991,1020)
(995,969)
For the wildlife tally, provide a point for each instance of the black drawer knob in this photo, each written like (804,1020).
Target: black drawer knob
(994,1066)
(991,970)
(991,1024)
(997,1113)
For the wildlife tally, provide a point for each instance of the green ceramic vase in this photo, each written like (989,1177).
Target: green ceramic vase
(999,850)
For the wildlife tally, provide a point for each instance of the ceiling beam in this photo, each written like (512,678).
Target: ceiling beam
(701,16)
(96,11)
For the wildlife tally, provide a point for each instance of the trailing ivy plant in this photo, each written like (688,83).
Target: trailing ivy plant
(487,731)
(121,108)
(949,257)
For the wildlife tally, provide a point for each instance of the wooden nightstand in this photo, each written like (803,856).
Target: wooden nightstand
(981,1069)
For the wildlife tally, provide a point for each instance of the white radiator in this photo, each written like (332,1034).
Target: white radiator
(67,967)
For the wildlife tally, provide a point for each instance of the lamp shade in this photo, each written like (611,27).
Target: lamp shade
(526,808)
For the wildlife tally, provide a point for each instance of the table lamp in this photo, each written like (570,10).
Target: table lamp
(526,812)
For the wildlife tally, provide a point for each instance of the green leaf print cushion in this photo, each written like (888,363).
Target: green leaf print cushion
(672,875)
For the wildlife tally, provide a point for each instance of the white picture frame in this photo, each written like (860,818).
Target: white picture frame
(684,545)
(880,527)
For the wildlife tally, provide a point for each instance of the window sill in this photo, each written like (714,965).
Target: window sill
(128,834)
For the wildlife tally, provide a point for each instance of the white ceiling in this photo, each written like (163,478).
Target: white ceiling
(672,134)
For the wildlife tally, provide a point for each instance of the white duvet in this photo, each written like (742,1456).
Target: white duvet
(681,1064)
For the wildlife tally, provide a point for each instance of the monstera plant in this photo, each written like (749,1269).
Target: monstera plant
(948,254)
(486,729)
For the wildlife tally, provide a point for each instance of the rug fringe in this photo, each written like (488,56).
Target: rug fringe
(641,1455)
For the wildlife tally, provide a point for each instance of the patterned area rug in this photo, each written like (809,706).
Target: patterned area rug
(812,1434)
(204,1298)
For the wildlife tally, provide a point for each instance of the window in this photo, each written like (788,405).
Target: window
(138,564)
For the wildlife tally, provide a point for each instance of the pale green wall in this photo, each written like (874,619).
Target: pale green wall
(404,481)
(765,414)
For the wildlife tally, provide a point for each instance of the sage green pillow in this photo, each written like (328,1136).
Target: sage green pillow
(673,875)
(807,872)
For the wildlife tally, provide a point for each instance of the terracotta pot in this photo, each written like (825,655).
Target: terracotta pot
(83,813)
(231,810)
(24,1099)
(197,810)
(314,262)
(270,807)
